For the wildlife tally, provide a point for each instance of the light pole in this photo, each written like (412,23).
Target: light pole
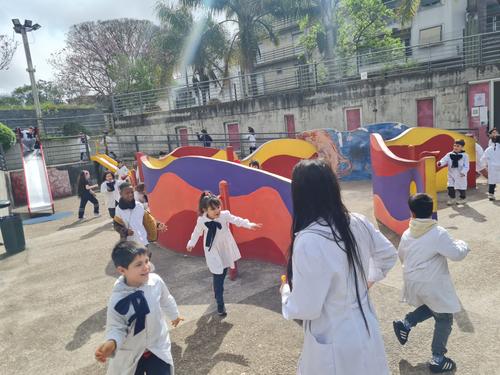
(23,30)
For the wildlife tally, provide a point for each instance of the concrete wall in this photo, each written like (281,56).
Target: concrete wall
(394,100)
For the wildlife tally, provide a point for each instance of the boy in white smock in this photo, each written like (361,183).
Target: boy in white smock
(423,251)
(137,338)
(491,159)
(457,162)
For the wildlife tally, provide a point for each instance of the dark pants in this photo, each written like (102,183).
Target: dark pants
(452,193)
(442,326)
(87,197)
(252,149)
(112,212)
(152,365)
(219,287)
(491,188)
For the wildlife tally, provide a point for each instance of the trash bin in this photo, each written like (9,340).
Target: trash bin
(12,233)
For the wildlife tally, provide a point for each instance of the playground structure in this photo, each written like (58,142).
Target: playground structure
(406,165)
(106,161)
(36,180)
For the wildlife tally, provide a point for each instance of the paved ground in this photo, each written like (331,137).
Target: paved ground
(53,298)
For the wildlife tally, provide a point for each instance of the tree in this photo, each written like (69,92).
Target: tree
(102,56)
(47,92)
(7,137)
(408,9)
(7,49)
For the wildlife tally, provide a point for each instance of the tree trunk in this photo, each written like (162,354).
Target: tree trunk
(329,22)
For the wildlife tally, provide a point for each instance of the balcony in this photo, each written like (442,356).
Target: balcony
(279,54)
(285,23)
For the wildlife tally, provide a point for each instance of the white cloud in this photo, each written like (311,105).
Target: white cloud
(56,16)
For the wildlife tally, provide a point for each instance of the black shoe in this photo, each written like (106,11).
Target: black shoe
(221,310)
(446,365)
(401,331)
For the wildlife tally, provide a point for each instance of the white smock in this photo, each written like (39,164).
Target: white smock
(133,219)
(457,177)
(491,159)
(479,155)
(109,195)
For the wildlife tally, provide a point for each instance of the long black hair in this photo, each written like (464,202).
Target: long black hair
(208,199)
(316,198)
(82,182)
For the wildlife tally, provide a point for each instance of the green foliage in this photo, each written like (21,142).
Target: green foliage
(313,37)
(7,136)
(407,10)
(47,92)
(73,128)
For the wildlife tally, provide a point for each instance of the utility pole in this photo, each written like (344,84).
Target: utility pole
(23,30)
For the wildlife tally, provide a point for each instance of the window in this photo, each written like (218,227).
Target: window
(493,23)
(431,35)
(428,3)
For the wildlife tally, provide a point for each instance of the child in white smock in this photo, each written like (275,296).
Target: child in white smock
(457,162)
(108,189)
(491,159)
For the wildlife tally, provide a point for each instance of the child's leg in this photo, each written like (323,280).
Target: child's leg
(451,192)
(152,365)
(491,188)
(95,202)
(442,330)
(462,194)
(219,288)
(421,314)
(83,202)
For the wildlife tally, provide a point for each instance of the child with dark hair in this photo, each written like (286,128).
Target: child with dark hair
(252,140)
(86,194)
(457,162)
(221,250)
(204,138)
(491,159)
(335,256)
(137,338)
(108,188)
(254,164)
(492,133)
(423,251)
(140,195)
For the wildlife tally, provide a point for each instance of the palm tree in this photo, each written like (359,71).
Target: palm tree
(408,9)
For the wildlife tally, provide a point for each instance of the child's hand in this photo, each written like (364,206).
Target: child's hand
(189,248)
(105,351)
(130,232)
(162,227)
(370,284)
(254,226)
(176,322)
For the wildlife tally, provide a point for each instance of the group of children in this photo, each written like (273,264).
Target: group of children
(137,338)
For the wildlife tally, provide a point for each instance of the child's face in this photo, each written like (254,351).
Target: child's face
(87,174)
(127,194)
(109,177)
(493,134)
(457,148)
(213,212)
(137,272)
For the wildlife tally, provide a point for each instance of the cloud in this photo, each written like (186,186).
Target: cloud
(56,17)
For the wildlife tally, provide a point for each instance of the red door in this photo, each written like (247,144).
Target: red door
(183,135)
(290,125)
(425,113)
(353,118)
(233,131)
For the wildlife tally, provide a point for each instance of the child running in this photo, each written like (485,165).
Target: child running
(132,221)
(491,159)
(86,194)
(137,338)
(220,247)
(108,189)
(457,162)
(428,286)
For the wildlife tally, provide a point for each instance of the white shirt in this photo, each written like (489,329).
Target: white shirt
(109,195)
(455,178)
(155,336)
(133,219)
(336,341)
(224,251)
(491,159)
(251,140)
(425,269)
(140,198)
(479,155)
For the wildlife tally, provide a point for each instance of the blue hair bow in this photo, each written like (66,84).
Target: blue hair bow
(141,309)
(212,230)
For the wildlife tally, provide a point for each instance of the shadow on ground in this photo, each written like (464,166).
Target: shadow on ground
(93,324)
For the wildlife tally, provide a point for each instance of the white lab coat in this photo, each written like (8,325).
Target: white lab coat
(252,140)
(155,337)
(479,155)
(336,341)
(110,196)
(455,178)
(133,219)
(224,251)
(427,280)
(491,159)
(140,198)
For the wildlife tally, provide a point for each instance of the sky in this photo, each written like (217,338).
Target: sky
(56,17)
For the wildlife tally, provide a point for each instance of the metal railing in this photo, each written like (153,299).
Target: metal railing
(451,54)
(280,53)
(284,23)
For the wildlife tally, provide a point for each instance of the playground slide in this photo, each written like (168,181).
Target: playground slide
(107,162)
(38,192)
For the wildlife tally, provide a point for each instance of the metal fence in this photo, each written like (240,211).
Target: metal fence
(451,54)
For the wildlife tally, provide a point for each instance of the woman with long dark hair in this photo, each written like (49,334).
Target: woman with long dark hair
(334,258)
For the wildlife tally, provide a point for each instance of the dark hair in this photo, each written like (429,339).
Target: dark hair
(254,163)
(492,130)
(125,252)
(204,131)
(460,142)
(207,199)
(106,173)
(82,181)
(162,153)
(140,187)
(124,186)
(496,139)
(250,130)
(421,205)
(316,196)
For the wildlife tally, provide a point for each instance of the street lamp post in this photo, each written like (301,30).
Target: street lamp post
(23,30)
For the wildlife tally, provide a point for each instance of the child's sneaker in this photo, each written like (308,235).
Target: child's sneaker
(221,310)
(462,201)
(491,197)
(446,365)
(97,214)
(450,202)
(401,331)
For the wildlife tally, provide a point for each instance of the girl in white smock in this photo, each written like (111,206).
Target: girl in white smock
(457,162)
(491,159)
(335,258)
(108,189)
(221,250)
